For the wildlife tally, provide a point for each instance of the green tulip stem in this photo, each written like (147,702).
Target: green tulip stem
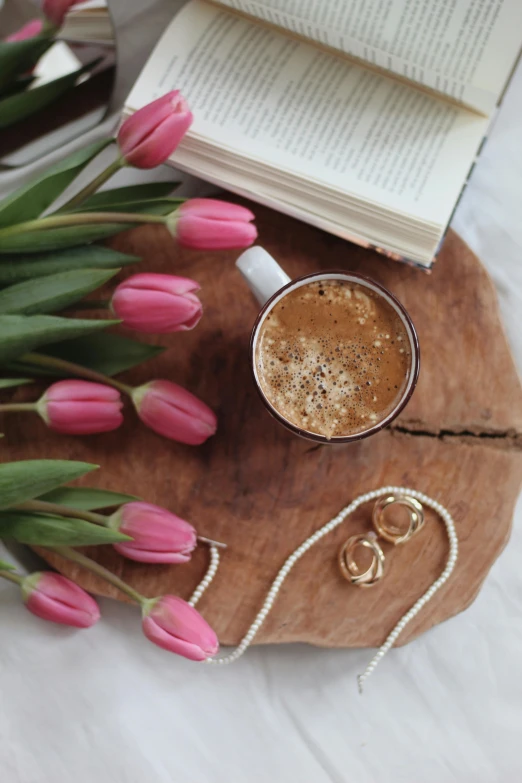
(75,219)
(93,186)
(43,507)
(90,565)
(11,577)
(70,368)
(14,407)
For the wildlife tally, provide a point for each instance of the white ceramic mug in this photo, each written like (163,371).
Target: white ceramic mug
(269,284)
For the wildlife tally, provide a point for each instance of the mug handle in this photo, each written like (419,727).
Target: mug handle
(262,273)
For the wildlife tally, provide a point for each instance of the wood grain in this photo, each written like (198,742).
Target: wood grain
(263,491)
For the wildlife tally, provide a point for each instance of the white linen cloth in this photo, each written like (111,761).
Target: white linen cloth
(105,705)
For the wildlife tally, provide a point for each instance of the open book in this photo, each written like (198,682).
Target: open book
(362,117)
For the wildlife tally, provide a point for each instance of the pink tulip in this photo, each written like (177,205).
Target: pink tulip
(172,411)
(150,135)
(176,626)
(56,10)
(158,536)
(208,224)
(80,407)
(157,303)
(29,30)
(55,598)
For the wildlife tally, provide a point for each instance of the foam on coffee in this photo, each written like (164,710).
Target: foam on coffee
(333,357)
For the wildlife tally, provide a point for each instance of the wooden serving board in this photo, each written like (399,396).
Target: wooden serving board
(263,491)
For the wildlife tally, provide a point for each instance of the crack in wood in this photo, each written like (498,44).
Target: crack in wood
(501,439)
(505,439)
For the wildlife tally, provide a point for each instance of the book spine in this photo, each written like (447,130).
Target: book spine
(464,186)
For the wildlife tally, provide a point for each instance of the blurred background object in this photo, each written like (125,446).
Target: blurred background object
(89,22)
(68,90)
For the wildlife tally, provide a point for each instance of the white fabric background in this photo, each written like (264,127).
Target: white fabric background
(105,705)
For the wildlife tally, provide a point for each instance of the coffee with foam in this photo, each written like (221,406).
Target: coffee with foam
(333,358)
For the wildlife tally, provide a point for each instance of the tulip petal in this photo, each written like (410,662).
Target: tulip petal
(172,284)
(190,323)
(138,516)
(182,620)
(158,535)
(210,234)
(84,417)
(162,639)
(60,588)
(172,411)
(178,397)
(81,390)
(148,556)
(50,610)
(29,30)
(54,597)
(159,145)
(81,407)
(156,311)
(174,424)
(176,626)
(136,127)
(216,210)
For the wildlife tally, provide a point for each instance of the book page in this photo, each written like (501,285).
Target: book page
(280,102)
(465,49)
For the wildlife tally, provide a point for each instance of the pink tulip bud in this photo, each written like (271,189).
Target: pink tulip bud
(150,135)
(56,10)
(80,407)
(176,626)
(29,30)
(172,411)
(55,598)
(158,536)
(157,303)
(208,224)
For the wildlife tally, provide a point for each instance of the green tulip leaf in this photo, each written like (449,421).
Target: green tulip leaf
(130,194)
(163,206)
(20,84)
(28,479)
(29,201)
(6,566)
(18,57)
(108,354)
(39,264)
(48,530)
(86,498)
(9,383)
(59,238)
(153,206)
(52,292)
(18,107)
(22,333)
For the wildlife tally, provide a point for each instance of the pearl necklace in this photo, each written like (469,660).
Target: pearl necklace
(308,544)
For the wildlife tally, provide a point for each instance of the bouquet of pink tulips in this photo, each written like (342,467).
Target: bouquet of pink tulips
(49,261)
(37,509)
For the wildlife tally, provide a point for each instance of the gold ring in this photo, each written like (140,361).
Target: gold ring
(390,532)
(349,567)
